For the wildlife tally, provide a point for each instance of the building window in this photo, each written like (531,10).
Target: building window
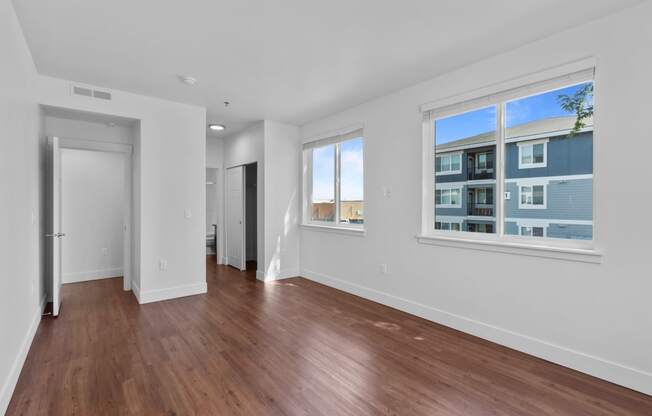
(532,197)
(334,180)
(447,226)
(532,231)
(532,154)
(528,156)
(483,162)
(449,164)
(448,198)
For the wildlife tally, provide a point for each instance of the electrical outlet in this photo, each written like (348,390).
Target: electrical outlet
(387,192)
(105,252)
(163,265)
(383,268)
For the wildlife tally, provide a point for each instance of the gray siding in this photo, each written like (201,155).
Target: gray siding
(566,200)
(566,156)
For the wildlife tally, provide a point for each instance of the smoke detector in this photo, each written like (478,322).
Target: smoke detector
(188,80)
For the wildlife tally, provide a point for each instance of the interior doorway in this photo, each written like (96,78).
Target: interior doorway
(212,211)
(90,200)
(251,215)
(241,216)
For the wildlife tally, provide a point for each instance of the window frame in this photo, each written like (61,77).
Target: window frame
(460,193)
(531,143)
(522,205)
(335,138)
(450,156)
(498,95)
(532,227)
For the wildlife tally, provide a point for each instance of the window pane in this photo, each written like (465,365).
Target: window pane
(468,142)
(455,196)
(537,195)
(526,155)
(552,132)
(537,151)
(323,183)
(455,163)
(351,182)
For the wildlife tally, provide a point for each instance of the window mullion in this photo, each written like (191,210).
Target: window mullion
(500,170)
(337,181)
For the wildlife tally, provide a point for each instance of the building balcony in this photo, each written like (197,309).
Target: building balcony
(480,210)
(474,174)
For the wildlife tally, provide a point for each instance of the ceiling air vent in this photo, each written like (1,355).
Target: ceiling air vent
(89,92)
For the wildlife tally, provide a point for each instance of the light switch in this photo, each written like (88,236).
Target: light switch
(387,192)
(187,213)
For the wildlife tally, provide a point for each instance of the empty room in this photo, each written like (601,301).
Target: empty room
(325,208)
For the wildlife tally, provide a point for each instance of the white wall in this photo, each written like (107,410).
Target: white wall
(88,130)
(21,194)
(275,146)
(169,173)
(595,318)
(240,149)
(282,168)
(92,214)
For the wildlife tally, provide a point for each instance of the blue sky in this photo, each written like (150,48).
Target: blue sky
(351,178)
(521,111)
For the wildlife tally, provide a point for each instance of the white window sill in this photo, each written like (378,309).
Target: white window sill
(358,232)
(523,249)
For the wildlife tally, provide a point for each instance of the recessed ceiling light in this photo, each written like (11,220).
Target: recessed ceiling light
(188,80)
(216,127)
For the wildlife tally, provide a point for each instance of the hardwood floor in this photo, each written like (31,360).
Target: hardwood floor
(288,348)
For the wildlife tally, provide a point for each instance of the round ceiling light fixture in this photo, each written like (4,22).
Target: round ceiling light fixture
(217,127)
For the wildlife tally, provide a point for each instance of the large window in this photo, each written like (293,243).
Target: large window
(522,158)
(334,181)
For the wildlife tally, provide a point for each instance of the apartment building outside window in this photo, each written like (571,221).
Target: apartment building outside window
(526,157)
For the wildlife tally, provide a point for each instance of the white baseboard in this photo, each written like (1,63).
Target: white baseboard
(280,275)
(10,384)
(135,289)
(85,276)
(608,370)
(157,295)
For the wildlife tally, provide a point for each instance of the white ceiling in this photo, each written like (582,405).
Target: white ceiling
(286,60)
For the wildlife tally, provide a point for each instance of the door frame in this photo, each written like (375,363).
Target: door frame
(127,228)
(243,215)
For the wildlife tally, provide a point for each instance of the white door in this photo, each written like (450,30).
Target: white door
(55,235)
(235,227)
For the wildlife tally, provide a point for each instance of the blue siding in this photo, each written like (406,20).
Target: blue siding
(511,228)
(570,231)
(566,200)
(566,156)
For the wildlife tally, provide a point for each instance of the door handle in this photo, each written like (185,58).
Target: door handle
(58,235)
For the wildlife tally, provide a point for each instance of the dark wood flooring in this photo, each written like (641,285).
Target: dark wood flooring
(288,348)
